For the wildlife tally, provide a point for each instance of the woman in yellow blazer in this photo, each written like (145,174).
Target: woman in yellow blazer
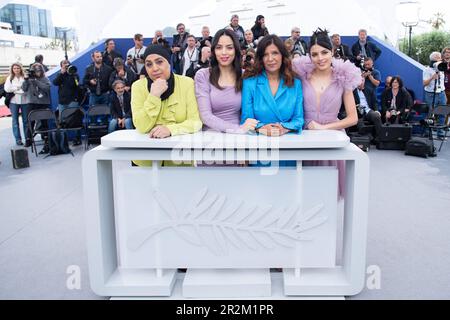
(163,104)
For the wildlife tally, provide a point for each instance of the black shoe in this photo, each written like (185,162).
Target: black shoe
(19,142)
(27,143)
(44,150)
(76,142)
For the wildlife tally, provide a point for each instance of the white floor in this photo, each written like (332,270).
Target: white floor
(42,230)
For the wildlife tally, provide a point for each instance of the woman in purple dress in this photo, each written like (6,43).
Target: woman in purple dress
(218,88)
(327,83)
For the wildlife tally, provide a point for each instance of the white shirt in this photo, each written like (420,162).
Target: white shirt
(135,53)
(363,101)
(188,57)
(427,74)
(16,87)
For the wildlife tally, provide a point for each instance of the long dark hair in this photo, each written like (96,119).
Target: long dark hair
(214,64)
(286,71)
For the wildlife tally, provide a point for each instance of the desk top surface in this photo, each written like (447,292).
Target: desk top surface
(308,139)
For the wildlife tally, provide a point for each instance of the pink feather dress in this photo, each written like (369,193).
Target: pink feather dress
(345,77)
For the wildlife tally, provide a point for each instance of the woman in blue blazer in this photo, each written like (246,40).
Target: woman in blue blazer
(271,94)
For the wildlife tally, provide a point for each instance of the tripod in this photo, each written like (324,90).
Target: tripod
(430,120)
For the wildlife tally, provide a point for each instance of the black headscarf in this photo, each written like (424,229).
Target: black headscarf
(163,52)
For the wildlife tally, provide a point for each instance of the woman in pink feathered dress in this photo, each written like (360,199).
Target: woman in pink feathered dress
(327,83)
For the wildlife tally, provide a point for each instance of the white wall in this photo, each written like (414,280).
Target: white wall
(26,56)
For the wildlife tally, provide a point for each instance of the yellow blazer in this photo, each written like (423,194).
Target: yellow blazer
(179,113)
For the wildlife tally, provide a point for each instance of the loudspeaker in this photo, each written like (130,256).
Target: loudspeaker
(20,158)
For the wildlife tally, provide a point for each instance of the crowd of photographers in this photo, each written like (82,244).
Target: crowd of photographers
(109,78)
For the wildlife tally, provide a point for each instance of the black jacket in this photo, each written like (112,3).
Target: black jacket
(403,100)
(129,78)
(259,32)
(68,89)
(343,52)
(108,58)
(302,43)
(180,42)
(116,110)
(203,42)
(103,74)
(372,50)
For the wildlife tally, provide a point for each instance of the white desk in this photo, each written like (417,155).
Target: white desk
(227,225)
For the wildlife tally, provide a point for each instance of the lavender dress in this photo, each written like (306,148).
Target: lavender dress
(345,77)
(220,110)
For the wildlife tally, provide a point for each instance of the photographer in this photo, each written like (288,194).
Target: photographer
(67,82)
(190,57)
(396,103)
(178,47)
(40,59)
(37,89)
(96,79)
(248,62)
(110,54)
(446,59)
(206,39)
(120,108)
(237,29)
(363,49)
(259,29)
(300,46)
(340,50)
(204,61)
(121,72)
(433,82)
(134,55)
(367,109)
(160,40)
(372,77)
(248,42)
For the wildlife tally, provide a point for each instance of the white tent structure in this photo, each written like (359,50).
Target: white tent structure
(116,18)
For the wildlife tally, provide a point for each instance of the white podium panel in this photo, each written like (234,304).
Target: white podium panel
(227,225)
(168,219)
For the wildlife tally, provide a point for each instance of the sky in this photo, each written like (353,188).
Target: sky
(95,20)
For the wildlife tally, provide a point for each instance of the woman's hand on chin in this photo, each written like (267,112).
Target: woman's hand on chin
(159,86)
(315,126)
(160,132)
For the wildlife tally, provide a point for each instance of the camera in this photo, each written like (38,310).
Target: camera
(160,40)
(394,115)
(427,122)
(338,53)
(71,69)
(248,58)
(361,110)
(441,66)
(393,112)
(31,73)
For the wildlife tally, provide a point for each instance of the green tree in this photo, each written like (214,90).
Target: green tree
(426,43)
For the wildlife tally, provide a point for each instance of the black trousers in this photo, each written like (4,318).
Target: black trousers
(374,118)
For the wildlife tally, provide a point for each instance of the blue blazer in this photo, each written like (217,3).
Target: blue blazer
(285,108)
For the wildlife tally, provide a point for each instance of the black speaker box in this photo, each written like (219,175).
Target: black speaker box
(20,158)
